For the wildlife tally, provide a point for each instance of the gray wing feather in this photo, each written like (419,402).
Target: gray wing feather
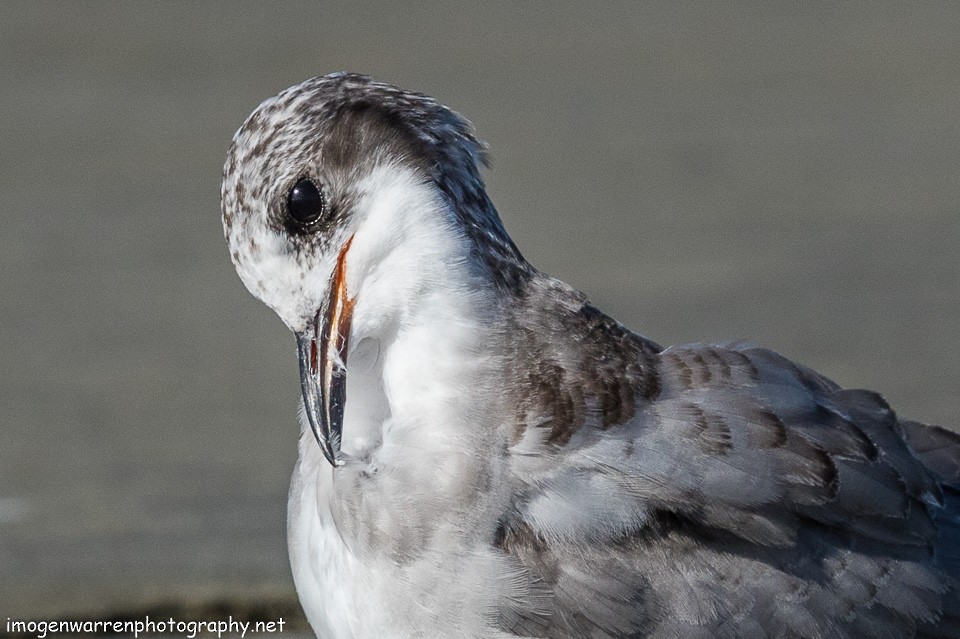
(751,497)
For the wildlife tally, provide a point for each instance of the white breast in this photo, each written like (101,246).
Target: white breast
(323,568)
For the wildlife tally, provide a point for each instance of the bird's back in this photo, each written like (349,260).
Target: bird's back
(717,491)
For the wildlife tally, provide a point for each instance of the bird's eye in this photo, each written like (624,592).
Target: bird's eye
(305,203)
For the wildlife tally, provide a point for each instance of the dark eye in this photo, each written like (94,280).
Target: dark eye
(305,203)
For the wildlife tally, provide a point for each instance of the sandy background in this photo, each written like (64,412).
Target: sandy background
(788,174)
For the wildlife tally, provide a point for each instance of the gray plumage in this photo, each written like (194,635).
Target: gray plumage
(617,488)
(754,497)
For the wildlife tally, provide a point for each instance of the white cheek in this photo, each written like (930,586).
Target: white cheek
(274,276)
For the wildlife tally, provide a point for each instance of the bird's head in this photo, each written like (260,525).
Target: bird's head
(336,195)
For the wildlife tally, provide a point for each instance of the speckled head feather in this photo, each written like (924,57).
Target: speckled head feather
(337,129)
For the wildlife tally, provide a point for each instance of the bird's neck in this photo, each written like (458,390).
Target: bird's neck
(423,404)
(425,312)
(429,267)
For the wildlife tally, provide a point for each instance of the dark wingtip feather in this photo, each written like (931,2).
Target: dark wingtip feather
(938,449)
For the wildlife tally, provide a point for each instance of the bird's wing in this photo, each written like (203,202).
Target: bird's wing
(745,496)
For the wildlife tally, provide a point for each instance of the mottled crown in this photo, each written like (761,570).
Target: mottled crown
(353,123)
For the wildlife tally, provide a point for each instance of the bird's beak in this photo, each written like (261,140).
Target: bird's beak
(322,350)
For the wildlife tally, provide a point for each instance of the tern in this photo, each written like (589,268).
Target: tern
(484,453)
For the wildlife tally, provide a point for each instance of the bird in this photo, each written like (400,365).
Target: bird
(485,453)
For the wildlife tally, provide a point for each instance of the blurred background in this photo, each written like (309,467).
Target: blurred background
(785,173)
